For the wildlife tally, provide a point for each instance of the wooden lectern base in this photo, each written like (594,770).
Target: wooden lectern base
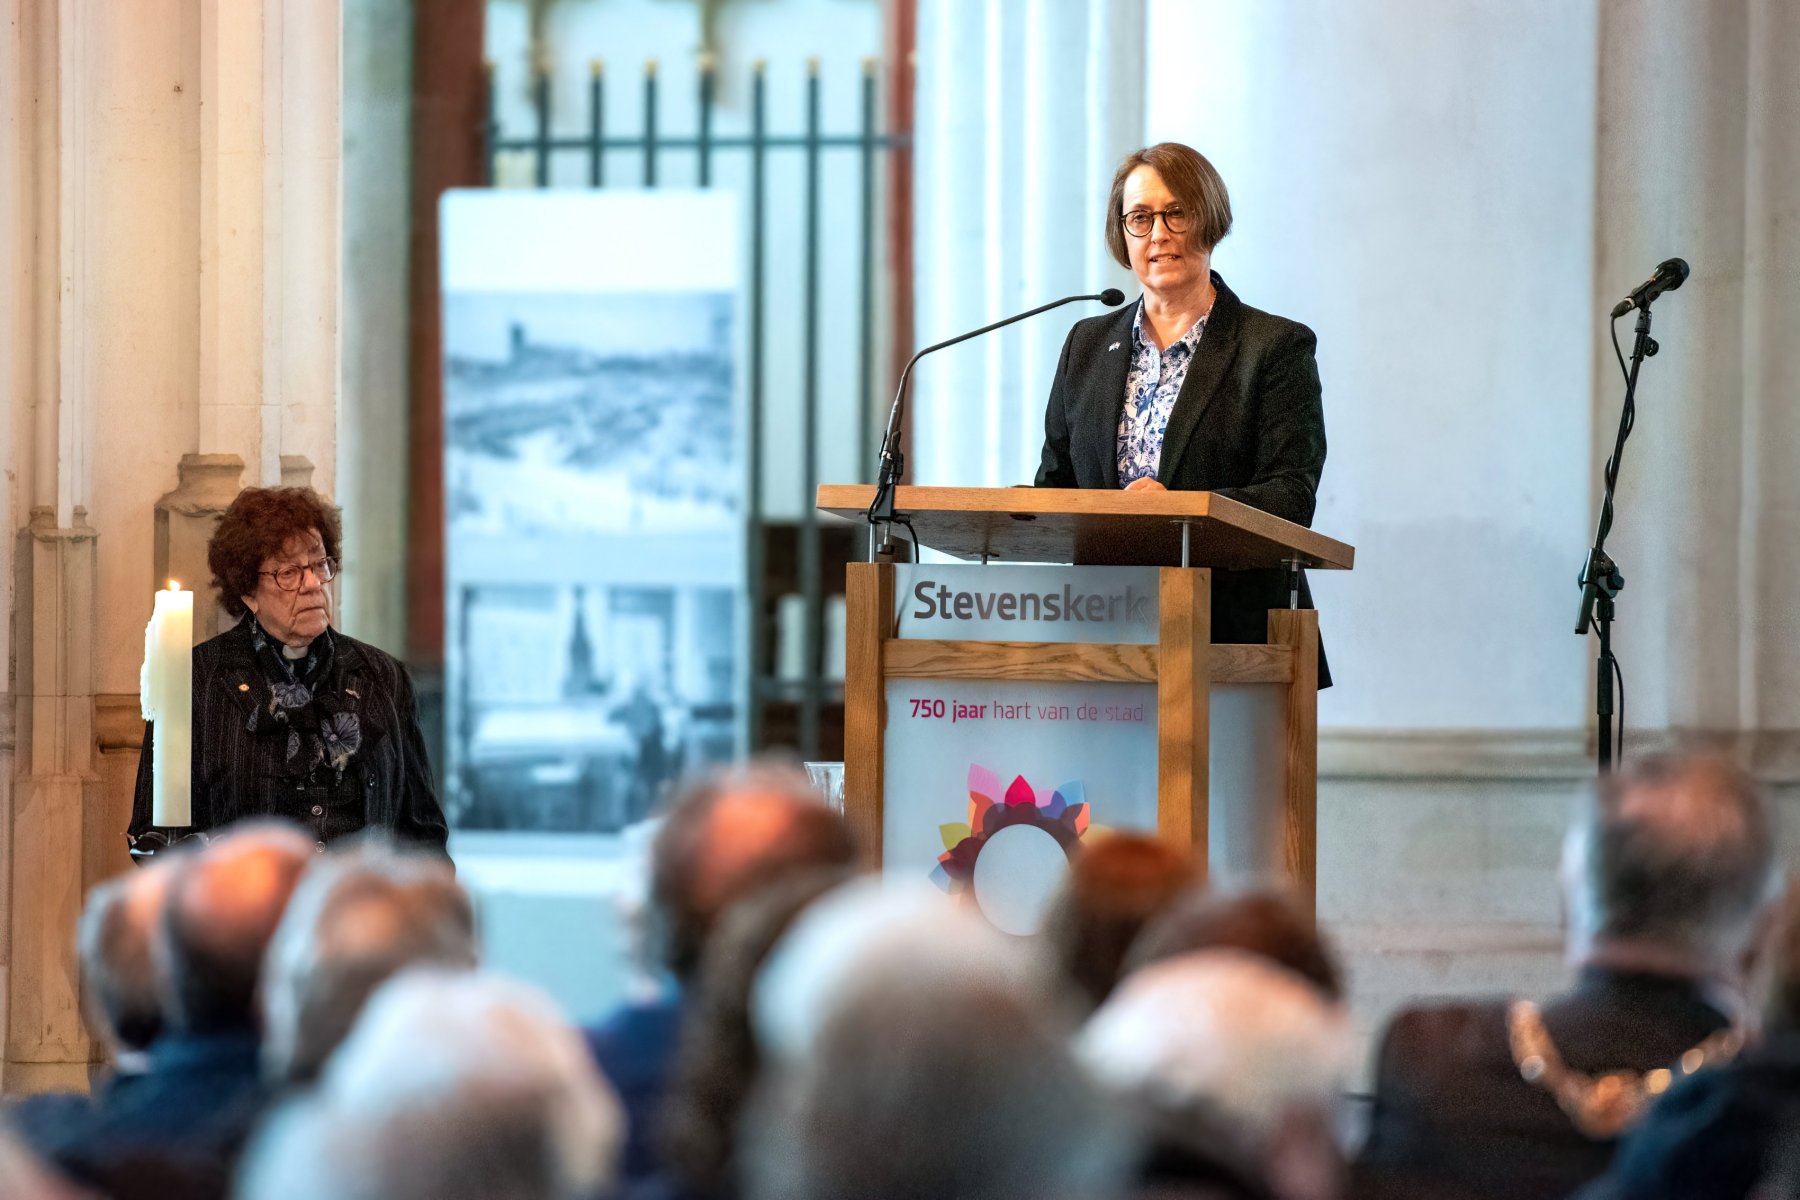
(1185,666)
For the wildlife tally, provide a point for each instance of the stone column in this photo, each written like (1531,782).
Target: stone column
(49,53)
(1671,182)
(1771,575)
(1696,159)
(168,283)
(46,1043)
(268,225)
(1023,113)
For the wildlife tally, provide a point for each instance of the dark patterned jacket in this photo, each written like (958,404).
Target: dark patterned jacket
(239,773)
(1454,1120)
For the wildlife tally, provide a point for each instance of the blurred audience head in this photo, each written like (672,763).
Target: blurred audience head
(119,923)
(725,836)
(868,926)
(1237,1065)
(222,909)
(1264,922)
(1113,888)
(717,1064)
(933,1073)
(1672,865)
(452,1086)
(357,919)
(24,1177)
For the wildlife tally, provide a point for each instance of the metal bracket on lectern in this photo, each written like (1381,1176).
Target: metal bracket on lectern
(1293,566)
(1187,534)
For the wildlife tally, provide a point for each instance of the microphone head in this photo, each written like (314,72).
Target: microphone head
(1675,271)
(1113,296)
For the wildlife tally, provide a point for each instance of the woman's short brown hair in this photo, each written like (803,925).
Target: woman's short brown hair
(1196,185)
(257,527)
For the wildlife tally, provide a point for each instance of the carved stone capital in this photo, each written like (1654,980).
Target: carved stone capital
(184,524)
(43,527)
(207,484)
(296,471)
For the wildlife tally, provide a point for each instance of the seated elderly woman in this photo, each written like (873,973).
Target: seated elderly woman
(291,718)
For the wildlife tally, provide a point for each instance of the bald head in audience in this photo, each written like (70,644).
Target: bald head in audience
(357,918)
(452,1086)
(1672,867)
(928,1069)
(223,908)
(118,926)
(728,835)
(1236,1063)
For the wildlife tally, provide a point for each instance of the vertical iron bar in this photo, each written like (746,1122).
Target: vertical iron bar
(650,123)
(809,433)
(707,63)
(754,557)
(541,99)
(597,123)
(491,133)
(865,359)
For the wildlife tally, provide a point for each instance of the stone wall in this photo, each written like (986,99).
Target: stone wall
(169,249)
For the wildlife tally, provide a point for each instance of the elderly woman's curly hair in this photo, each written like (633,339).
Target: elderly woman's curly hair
(257,527)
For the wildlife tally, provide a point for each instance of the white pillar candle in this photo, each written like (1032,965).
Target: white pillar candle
(166,690)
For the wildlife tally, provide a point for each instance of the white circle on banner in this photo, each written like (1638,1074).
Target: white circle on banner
(1019,869)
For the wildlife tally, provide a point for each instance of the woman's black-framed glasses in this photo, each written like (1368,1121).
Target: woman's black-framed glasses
(288,577)
(1139,222)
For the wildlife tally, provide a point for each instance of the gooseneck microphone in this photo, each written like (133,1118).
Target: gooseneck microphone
(893,462)
(1669,275)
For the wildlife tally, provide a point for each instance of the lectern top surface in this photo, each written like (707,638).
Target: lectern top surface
(1116,528)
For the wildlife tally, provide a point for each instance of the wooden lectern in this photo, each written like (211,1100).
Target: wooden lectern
(1185,534)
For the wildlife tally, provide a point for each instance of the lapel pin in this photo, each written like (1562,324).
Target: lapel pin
(243,687)
(1112,347)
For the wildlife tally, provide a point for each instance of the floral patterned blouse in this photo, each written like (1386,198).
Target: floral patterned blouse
(1151,386)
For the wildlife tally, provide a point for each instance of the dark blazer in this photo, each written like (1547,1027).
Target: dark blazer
(181,1124)
(1453,1118)
(635,1049)
(1714,1136)
(388,782)
(1247,424)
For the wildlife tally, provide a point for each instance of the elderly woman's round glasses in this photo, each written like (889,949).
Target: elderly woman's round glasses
(288,578)
(1139,222)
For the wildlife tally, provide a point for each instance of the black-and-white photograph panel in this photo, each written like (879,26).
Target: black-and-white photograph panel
(594,487)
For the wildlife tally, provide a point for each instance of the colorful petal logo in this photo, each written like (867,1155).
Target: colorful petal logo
(1063,815)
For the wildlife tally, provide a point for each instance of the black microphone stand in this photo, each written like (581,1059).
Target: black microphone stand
(1601,579)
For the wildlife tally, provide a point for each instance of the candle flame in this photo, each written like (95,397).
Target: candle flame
(174,585)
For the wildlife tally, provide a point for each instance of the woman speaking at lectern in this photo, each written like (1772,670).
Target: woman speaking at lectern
(1189,389)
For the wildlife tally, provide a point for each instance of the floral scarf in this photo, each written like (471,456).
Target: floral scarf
(320,731)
